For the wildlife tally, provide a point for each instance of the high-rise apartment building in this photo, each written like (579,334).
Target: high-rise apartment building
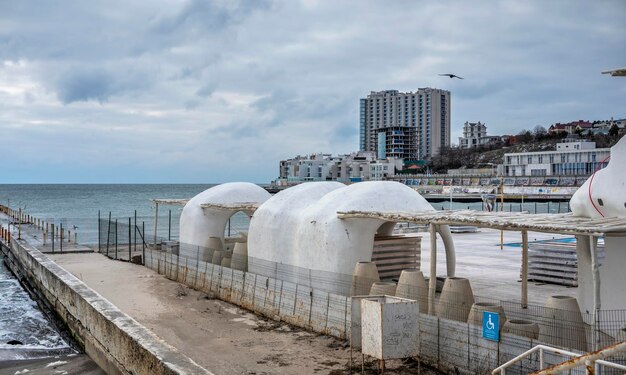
(412,125)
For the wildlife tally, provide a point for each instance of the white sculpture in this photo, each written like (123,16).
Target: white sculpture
(197,224)
(296,235)
(604,193)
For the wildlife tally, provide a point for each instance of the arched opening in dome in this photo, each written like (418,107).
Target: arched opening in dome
(394,252)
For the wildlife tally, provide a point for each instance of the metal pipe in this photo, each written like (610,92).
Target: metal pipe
(596,356)
(143,243)
(524,269)
(129,241)
(156,222)
(432,282)
(135,232)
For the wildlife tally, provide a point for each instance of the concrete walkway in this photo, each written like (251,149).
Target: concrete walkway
(215,334)
(493,273)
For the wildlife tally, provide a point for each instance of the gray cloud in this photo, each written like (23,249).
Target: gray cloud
(209,91)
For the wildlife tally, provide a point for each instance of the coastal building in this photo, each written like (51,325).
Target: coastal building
(572,157)
(475,134)
(407,125)
(357,166)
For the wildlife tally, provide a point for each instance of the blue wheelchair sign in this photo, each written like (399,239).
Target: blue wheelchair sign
(491,323)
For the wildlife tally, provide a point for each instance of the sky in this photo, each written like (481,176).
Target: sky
(166,91)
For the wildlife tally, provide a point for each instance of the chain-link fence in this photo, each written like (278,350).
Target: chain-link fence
(450,339)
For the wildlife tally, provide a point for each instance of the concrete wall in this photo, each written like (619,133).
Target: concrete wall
(451,346)
(116,342)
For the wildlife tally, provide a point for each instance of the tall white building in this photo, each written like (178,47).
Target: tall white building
(411,125)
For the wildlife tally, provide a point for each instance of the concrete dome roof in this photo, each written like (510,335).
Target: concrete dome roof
(299,227)
(197,224)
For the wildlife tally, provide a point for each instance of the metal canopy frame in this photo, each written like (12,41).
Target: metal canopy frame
(511,221)
(524,222)
(237,206)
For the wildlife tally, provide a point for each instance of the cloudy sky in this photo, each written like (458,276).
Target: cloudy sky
(215,91)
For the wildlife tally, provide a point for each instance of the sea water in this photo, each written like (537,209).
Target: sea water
(76,206)
(21,320)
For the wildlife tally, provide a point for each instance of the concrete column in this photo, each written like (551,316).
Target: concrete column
(524,297)
(432,282)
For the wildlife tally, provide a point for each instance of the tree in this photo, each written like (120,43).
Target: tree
(614,130)
(524,136)
(539,130)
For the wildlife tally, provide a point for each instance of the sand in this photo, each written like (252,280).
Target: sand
(219,336)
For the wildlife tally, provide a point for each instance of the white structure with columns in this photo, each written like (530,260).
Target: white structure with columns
(199,220)
(603,195)
(297,232)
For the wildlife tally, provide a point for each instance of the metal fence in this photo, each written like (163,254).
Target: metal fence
(320,301)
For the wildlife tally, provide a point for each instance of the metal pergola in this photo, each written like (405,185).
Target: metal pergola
(568,224)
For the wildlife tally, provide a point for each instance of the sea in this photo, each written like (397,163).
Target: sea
(78,206)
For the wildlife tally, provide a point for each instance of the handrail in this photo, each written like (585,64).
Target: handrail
(540,348)
(589,360)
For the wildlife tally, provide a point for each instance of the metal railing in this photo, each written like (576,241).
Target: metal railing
(590,360)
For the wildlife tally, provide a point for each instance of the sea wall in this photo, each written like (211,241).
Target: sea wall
(115,341)
(451,346)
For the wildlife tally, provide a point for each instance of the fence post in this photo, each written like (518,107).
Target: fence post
(169,226)
(129,240)
(99,242)
(52,226)
(115,239)
(61,238)
(108,233)
(135,232)
(143,242)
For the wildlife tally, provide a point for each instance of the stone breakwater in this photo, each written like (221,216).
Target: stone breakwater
(116,342)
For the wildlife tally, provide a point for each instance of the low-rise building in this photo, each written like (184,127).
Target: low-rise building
(475,134)
(354,167)
(572,157)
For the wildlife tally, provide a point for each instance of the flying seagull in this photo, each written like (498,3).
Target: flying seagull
(616,73)
(451,75)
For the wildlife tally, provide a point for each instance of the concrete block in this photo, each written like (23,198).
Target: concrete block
(226,284)
(216,276)
(389,327)
(302,311)
(260,293)
(356,319)
(319,311)
(336,321)
(483,353)
(247,299)
(236,293)
(453,343)
(429,339)
(272,299)
(511,346)
(287,301)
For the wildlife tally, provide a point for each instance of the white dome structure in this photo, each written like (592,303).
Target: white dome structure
(297,234)
(602,195)
(197,224)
